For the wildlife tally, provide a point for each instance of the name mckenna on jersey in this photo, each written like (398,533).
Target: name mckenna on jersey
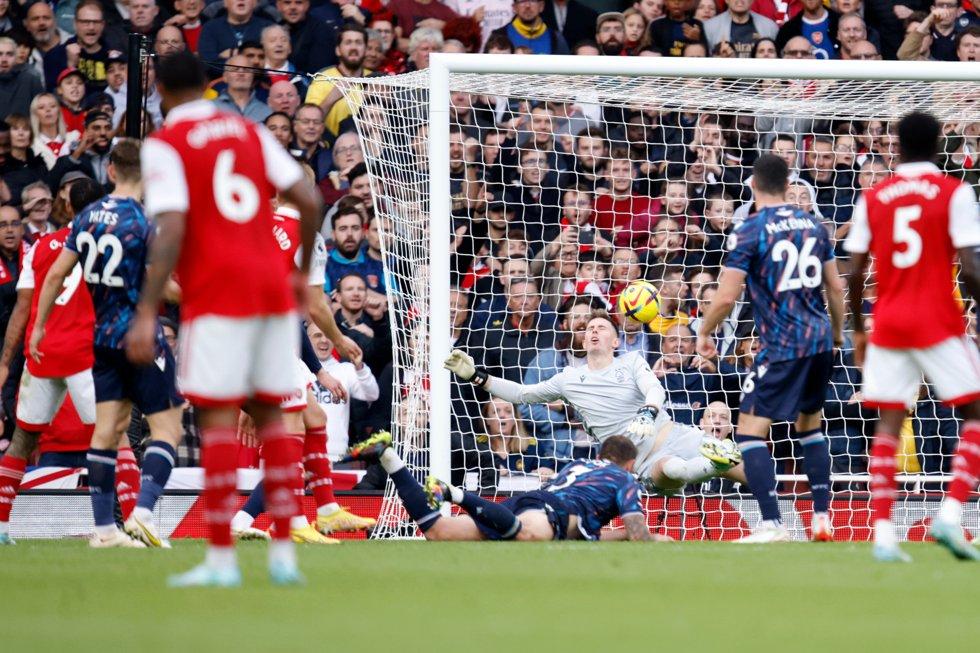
(790,224)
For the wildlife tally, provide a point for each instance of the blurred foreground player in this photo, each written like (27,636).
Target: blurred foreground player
(786,258)
(915,224)
(110,240)
(209,181)
(575,505)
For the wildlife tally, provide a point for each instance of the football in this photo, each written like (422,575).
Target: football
(639,301)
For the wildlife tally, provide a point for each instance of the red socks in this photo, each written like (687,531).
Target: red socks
(11,474)
(282,452)
(966,464)
(319,474)
(882,469)
(127,481)
(219,452)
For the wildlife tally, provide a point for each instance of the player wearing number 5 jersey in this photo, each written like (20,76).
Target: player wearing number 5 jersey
(915,224)
(210,178)
(110,240)
(786,259)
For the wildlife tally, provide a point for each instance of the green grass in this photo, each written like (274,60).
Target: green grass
(418,596)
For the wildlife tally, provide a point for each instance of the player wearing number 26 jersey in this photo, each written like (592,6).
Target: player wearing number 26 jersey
(912,224)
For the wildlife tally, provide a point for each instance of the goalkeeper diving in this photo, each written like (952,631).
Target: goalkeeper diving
(620,396)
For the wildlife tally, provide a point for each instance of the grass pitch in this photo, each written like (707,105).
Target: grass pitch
(433,597)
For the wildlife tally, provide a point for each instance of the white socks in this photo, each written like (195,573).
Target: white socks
(282,552)
(4,528)
(390,461)
(145,515)
(328,509)
(885,533)
(105,531)
(689,471)
(455,494)
(241,521)
(297,522)
(951,511)
(220,557)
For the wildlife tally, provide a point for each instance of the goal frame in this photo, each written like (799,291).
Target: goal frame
(442,65)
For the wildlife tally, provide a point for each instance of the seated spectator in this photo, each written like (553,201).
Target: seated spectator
(917,43)
(284,98)
(529,30)
(347,255)
(312,41)
(277,49)
(281,127)
(358,382)
(51,138)
(636,26)
(705,10)
(308,128)
(239,94)
(347,153)
(671,292)
(351,42)
(40,24)
(627,215)
(535,194)
(739,27)
(591,150)
(676,29)
(513,450)
(91,155)
(490,290)
(188,20)
(676,202)
(834,187)
(393,60)
(851,29)
(820,29)
(37,204)
(691,382)
(719,211)
(624,268)
(19,83)
(863,51)
(70,91)
(21,167)
(144,18)
(968,44)
(651,9)
(610,34)
(224,34)
(423,42)
(169,39)
(586,49)
(765,49)
(363,321)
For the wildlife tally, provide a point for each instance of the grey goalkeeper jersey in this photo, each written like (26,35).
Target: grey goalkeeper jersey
(606,400)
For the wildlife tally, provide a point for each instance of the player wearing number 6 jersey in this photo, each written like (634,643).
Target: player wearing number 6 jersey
(209,180)
(786,259)
(110,240)
(914,224)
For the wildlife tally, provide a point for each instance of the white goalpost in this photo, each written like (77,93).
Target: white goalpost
(487,168)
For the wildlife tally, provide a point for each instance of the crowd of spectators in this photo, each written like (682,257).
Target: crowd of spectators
(556,206)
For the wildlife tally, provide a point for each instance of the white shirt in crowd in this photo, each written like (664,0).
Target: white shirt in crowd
(359,384)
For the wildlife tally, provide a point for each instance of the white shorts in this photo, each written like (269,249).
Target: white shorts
(892,376)
(296,402)
(225,361)
(40,398)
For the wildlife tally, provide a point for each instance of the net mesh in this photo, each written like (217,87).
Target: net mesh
(584,183)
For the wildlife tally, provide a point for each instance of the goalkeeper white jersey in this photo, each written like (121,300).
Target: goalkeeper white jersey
(605,400)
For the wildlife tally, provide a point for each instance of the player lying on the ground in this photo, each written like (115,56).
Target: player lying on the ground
(620,395)
(585,496)
(914,223)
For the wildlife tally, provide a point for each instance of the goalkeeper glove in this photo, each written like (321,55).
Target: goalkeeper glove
(642,425)
(461,364)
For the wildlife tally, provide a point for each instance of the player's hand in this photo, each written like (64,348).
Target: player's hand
(461,364)
(347,348)
(860,340)
(141,340)
(643,424)
(34,347)
(838,339)
(706,346)
(338,394)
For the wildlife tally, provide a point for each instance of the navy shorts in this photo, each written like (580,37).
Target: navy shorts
(152,388)
(537,500)
(783,390)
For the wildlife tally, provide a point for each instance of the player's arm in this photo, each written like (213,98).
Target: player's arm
(858,245)
(461,364)
(834,287)
(15,331)
(654,395)
(323,318)
(54,283)
(636,527)
(964,230)
(729,290)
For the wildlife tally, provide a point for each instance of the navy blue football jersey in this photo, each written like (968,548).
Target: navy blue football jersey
(112,240)
(597,491)
(782,251)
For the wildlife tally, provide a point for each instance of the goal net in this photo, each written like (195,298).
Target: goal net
(562,187)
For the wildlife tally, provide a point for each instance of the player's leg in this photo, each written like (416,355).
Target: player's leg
(300,529)
(331,517)
(241,523)
(953,366)
(497,519)
(535,527)
(454,529)
(891,383)
(760,473)
(102,459)
(809,433)
(690,456)
(377,448)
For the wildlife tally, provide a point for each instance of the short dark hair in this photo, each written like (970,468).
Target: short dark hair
(590,300)
(181,71)
(618,449)
(125,159)
(351,27)
(83,192)
(347,275)
(250,45)
(344,208)
(972,30)
(356,171)
(770,174)
(918,137)
(499,41)
(603,314)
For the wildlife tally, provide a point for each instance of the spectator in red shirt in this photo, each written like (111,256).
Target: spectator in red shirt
(630,217)
(70,91)
(188,19)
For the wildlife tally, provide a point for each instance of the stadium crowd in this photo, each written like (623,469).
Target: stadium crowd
(556,206)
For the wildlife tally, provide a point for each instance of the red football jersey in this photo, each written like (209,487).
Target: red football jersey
(70,331)
(286,230)
(221,171)
(912,224)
